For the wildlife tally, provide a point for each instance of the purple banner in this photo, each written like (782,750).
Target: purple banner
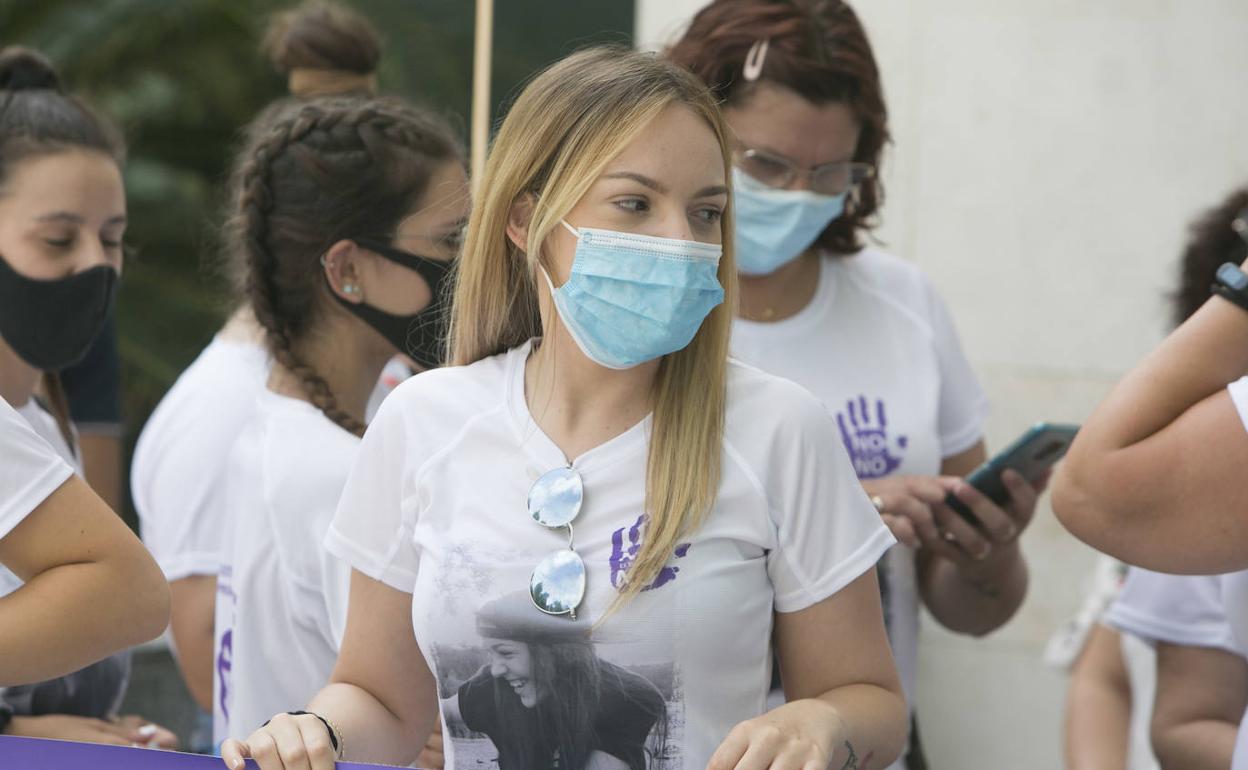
(39,754)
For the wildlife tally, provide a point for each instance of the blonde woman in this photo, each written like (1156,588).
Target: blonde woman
(594,447)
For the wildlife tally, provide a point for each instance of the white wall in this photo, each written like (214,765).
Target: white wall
(1048,156)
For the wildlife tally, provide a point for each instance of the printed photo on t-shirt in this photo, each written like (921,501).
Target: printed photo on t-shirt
(534,691)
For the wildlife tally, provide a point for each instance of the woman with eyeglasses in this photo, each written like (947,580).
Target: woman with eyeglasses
(594,448)
(339,207)
(863,330)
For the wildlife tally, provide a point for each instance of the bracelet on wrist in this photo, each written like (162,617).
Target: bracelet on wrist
(335,735)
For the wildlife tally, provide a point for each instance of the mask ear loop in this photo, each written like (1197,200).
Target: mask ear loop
(754,59)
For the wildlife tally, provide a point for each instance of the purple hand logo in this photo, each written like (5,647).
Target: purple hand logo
(866,439)
(622,557)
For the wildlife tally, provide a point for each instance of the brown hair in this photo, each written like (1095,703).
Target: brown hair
(1212,241)
(817,49)
(312,174)
(38,118)
(323,49)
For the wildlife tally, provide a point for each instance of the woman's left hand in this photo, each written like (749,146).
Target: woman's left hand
(800,735)
(145,733)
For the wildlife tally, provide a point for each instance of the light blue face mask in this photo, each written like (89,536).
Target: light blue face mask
(632,298)
(775,226)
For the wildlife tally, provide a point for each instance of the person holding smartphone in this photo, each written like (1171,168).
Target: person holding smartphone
(863,330)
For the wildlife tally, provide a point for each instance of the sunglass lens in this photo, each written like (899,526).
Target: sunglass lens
(558,583)
(555,499)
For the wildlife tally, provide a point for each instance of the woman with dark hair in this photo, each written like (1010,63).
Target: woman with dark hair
(863,330)
(62,219)
(177,477)
(341,211)
(545,698)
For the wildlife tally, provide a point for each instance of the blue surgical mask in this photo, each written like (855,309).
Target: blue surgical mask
(633,298)
(775,226)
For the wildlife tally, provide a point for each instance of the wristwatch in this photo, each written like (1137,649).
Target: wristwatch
(1231,283)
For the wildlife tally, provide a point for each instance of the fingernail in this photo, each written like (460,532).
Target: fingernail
(236,763)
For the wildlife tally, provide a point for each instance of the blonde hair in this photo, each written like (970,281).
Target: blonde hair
(562,131)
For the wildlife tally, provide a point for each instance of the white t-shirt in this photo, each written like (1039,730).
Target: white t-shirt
(1235,592)
(178,476)
(46,430)
(878,348)
(436,507)
(281,597)
(30,469)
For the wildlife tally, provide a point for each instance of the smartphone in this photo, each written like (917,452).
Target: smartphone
(1030,455)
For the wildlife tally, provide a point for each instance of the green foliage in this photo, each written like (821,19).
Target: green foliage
(183,76)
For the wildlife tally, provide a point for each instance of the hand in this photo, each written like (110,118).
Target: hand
(1000,526)
(913,508)
(431,757)
(800,735)
(146,733)
(63,727)
(285,743)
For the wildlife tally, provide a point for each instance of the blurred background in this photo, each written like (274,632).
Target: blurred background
(1047,159)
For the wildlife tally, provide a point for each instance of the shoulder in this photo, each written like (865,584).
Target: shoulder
(761,403)
(898,282)
(437,404)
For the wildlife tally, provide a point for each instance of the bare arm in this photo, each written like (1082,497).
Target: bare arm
(1098,705)
(1201,695)
(80,565)
(382,695)
(1155,475)
(101,463)
(845,710)
(191,622)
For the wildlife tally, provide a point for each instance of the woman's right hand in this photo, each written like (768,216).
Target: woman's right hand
(286,743)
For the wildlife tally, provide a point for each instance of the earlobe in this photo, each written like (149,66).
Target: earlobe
(518,219)
(340,271)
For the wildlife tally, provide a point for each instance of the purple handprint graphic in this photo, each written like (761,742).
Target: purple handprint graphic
(867,441)
(225,662)
(622,556)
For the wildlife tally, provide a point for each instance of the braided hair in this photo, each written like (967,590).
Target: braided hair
(314,173)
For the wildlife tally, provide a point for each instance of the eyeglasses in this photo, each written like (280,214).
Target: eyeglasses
(557,585)
(779,172)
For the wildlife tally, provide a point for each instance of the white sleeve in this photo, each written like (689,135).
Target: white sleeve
(827,532)
(1239,396)
(178,482)
(30,469)
(963,405)
(373,527)
(1175,609)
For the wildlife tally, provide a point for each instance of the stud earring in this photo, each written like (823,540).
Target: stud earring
(350,288)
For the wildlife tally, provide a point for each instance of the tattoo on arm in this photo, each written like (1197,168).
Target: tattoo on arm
(851,762)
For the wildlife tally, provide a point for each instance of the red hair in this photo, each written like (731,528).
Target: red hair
(817,49)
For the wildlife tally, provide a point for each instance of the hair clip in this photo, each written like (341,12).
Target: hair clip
(754,60)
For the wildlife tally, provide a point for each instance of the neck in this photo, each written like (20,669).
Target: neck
(346,354)
(781,294)
(18,379)
(578,403)
(242,326)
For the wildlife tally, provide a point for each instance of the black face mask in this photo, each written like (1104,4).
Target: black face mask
(51,324)
(420,335)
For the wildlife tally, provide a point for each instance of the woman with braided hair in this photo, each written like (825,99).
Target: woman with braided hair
(345,217)
(177,478)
